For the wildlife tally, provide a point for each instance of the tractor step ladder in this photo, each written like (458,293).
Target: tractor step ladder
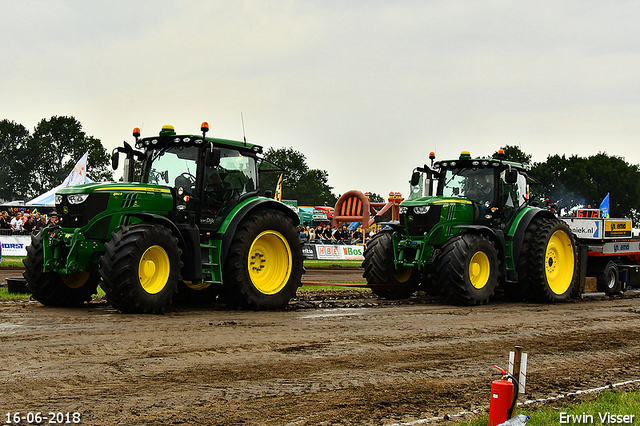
(211,268)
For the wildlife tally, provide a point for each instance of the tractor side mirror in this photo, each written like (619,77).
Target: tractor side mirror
(415,178)
(511,175)
(115,155)
(212,157)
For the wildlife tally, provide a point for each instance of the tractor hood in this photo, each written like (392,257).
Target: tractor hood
(105,187)
(78,205)
(432,200)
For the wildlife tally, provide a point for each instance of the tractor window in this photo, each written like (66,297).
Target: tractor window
(513,194)
(455,183)
(233,177)
(475,184)
(175,166)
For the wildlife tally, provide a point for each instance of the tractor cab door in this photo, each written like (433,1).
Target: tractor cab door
(176,167)
(511,196)
(225,185)
(481,191)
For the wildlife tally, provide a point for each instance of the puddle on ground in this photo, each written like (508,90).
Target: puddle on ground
(326,313)
(9,326)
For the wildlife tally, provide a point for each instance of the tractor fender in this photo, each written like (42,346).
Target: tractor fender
(188,240)
(258,204)
(494,235)
(518,237)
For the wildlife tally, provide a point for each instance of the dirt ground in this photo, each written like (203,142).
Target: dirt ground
(330,359)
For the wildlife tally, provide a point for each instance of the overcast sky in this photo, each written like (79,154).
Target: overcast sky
(364,89)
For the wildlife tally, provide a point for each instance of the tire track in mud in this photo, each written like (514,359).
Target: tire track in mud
(381,365)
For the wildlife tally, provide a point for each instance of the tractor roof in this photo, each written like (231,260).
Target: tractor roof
(168,137)
(465,160)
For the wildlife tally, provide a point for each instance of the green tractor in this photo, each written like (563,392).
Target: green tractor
(192,229)
(477,233)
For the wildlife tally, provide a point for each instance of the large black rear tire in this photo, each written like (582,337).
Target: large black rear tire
(548,264)
(53,289)
(141,268)
(264,265)
(379,270)
(468,271)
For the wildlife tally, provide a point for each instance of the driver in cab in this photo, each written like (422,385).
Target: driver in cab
(481,188)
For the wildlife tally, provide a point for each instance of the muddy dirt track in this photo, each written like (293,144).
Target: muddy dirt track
(329,359)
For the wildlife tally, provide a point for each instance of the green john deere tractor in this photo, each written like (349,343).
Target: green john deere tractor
(192,229)
(476,233)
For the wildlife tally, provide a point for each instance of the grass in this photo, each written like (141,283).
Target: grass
(12,261)
(5,295)
(592,411)
(332,264)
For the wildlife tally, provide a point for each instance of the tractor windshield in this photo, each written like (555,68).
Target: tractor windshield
(477,184)
(175,166)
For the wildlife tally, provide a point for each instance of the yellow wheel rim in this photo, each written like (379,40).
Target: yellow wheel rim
(559,262)
(75,281)
(479,269)
(196,286)
(269,262)
(403,275)
(153,270)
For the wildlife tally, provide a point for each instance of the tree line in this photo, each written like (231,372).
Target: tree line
(35,162)
(583,181)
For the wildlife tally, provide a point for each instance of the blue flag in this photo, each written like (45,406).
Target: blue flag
(604,206)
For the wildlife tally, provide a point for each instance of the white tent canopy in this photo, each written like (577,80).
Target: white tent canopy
(77,176)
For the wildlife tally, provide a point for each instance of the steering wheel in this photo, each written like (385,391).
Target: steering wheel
(186,181)
(188,176)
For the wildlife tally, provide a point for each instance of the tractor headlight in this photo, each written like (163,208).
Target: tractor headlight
(77,198)
(58,199)
(421,209)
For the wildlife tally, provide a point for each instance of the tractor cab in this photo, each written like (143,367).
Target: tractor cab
(208,177)
(496,191)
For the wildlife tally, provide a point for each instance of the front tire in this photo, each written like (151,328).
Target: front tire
(468,272)
(51,288)
(141,268)
(549,261)
(264,265)
(379,270)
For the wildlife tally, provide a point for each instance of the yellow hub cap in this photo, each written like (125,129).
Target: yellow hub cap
(154,269)
(479,269)
(75,281)
(403,275)
(269,262)
(559,262)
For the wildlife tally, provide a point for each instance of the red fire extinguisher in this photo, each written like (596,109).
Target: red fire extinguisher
(504,395)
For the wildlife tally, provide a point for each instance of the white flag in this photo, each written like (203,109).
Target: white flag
(79,173)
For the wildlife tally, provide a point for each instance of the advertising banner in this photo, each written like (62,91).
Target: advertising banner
(15,245)
(333,252)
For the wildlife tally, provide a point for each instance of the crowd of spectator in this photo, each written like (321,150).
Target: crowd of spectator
(333,235)
(25,222)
